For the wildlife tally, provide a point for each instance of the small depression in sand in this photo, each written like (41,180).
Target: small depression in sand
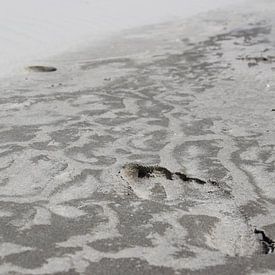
(41,69)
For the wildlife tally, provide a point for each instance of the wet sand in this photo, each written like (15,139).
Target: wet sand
(154,155)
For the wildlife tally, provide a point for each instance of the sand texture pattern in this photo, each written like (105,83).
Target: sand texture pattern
(153,154)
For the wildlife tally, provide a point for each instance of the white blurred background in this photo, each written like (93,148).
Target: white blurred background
(36,29)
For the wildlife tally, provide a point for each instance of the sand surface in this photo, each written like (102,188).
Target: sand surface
(31,30)
(195,97)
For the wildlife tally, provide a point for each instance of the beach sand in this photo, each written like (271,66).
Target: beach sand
(32,30)
(152,153)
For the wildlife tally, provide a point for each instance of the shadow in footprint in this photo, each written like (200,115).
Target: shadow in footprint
(41,69)
(268,244)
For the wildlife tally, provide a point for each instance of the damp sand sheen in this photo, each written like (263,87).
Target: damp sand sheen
(154,156)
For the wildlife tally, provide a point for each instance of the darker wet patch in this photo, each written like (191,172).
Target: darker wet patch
(69,272)
(198,127)
(65,136)
(88,151)
(136,225)
(92,113)
(10,149)
(134,232)
(19,134)
(41,69)
(161,227)
(202,63)
(207,153)
(133,266)
(153,108)
(97,140)
(27,259)
(265,154)
(183,252)
(164,122)
(39,158)
(116,121)
(45,237)
(43,145)
(250,36)
(198,226)
(252,209)
(111,245)
(37,257)
(156,140)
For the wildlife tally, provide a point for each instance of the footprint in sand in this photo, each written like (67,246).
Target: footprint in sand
(155,182)
(231,234)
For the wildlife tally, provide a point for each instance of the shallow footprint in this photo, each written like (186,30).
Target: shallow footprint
(230,233)
(41,69)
